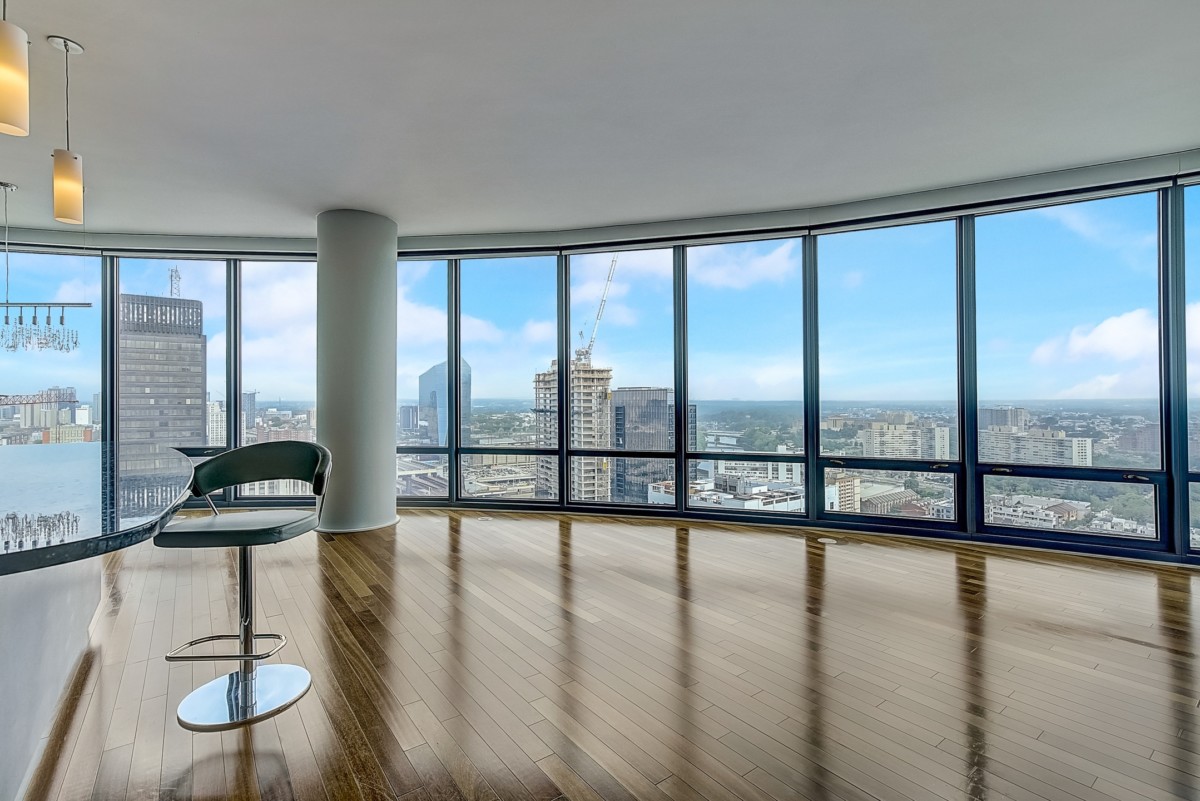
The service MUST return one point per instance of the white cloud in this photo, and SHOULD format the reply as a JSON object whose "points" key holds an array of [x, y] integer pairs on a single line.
{"points": [[418, 324], [644, 263], [1128, 337], [539, 331], [589, 292], [852, 279], [78, 291], [1101, 386], [476, 330], [737, 267], [1138, 248]]}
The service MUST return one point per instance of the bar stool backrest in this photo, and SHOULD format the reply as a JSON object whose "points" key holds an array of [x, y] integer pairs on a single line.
{"points": [[304, 461]]}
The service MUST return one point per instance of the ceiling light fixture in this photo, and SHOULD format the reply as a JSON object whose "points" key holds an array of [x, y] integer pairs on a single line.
{"points": [[35, 336], [68, 166], [14, 77]]}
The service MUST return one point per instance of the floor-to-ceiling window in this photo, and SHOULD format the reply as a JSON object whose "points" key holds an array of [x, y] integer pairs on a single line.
{"points": [[171, 355], [1069, 375], [279, 361], [50, 355], [423, 411], [508, 398], [745, 372], [51, 392], [1191, 238], [621, 396], [888, 357]]}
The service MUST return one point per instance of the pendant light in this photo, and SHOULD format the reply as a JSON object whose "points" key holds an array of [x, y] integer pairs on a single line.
{"points": [[68, 166], [14, 77]]}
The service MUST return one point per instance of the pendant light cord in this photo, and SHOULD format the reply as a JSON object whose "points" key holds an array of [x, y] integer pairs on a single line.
{"points": [[67, 65], [6, 191]]}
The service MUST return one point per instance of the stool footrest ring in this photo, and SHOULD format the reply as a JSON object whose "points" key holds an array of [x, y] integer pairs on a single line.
{"points": [[178, 656]]}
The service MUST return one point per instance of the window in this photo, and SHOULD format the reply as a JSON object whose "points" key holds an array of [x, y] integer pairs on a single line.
{"points": [[422, 413], [1191, 233], [746, 346], [888, 343], [1086, 507], [622, 395], [279, 360], [731, 485], [50, 356], [509, 343], [172, 348], [1067, 309], [890, 493]]}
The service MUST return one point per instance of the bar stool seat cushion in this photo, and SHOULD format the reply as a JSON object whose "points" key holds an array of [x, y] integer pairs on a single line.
{"points": [[261, 527]]}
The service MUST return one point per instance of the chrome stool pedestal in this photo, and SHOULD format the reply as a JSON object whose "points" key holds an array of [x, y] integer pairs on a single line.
{"points": [[237, 700]]}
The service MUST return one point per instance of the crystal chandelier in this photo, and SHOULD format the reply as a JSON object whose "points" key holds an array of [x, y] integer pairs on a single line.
{"points": [[39, 333]]}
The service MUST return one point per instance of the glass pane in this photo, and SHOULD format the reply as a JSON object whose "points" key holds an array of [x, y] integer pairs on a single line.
{"points": [[172, 352], [890, 493], [1093, 507], [746, 486], [888, 341], [746, 346], [505, 476], [1067, 307], [422, 417], [1191, 235], [279, 359], [623, 367], [509, 340], [1194, 513], [53, 367], [604, 479], [422, 475]]}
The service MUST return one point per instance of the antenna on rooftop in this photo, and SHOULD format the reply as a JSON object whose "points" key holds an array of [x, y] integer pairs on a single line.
{"points": [[175, 279]]}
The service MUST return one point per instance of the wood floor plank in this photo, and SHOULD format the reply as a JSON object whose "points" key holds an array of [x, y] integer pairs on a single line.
{"points": [[544, 657]]}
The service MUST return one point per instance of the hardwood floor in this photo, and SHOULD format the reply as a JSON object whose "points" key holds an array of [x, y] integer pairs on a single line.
{"points": [[495, 656]]}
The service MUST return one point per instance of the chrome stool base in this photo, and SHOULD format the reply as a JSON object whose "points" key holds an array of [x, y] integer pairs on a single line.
{"points": [[232, 700]]}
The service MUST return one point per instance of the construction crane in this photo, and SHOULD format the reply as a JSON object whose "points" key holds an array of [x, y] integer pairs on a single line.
{"points": [[55, 395], [584, 355]]}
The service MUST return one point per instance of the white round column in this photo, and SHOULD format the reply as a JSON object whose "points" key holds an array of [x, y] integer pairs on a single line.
{"points": [[356, 367]]}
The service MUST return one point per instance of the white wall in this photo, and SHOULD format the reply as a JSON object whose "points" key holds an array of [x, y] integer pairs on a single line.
{"points": [[44, 618]]}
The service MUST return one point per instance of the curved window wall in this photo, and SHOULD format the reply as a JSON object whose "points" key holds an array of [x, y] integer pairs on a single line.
{"points": [[1019, 375]]}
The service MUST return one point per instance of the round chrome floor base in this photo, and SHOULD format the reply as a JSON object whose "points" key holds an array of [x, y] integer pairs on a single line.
{"points": [[227, 702]]}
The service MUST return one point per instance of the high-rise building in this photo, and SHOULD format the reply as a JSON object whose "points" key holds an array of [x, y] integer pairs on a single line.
{"points": [[643, 419], [891, 440], [1005, 416], [590, 426], [1035, 446], [249, 416], [161, 379], [216, 424], [407, 418], [432, 410]]}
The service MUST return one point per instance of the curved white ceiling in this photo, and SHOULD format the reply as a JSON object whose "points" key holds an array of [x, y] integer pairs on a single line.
{"points": [[459, 116]]}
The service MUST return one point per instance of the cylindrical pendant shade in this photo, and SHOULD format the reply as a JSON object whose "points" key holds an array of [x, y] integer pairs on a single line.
{"points": [[68, 187], [14, 80]]}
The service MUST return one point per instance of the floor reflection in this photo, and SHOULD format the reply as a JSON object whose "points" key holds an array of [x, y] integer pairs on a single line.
{"points": [[1175, 624], [971, 571], [683, 596], [814, 609]]}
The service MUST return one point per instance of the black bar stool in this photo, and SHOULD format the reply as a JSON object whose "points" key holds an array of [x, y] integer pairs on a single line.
{"points": [[251, 693]]}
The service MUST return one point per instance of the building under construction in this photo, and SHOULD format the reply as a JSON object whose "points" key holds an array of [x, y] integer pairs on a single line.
{"points": [[590, 426]]}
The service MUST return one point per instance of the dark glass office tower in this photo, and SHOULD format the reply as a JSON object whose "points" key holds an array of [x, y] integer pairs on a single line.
{"points": [[433, 416], [162, 376], [644, 420]]}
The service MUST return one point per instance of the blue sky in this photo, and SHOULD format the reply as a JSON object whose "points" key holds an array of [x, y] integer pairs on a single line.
{"points": [[1067, 309]]}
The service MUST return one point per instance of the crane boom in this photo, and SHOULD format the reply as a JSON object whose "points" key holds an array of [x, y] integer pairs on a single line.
{"points": [[585, 353]]}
